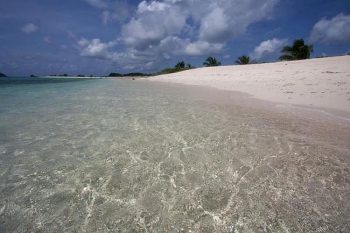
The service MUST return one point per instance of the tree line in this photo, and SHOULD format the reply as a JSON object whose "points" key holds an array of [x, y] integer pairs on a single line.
{"points": [[297, 51]]}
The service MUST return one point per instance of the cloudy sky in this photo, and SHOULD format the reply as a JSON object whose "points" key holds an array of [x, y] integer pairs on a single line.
{"points": [[103, 36]]}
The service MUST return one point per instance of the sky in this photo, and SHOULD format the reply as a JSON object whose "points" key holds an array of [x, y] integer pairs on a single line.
{"points": [[98, 37]]}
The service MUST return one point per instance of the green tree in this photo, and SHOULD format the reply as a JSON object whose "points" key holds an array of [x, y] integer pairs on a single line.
{"points": [[298, 51], [243, 60], [211, 61], [180, 65], [189, 66]]}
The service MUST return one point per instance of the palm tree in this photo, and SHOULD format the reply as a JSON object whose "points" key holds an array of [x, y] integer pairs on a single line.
{"points": [[189, 66], [211, 61], [298, 51], [243, 60], [180, 65]]}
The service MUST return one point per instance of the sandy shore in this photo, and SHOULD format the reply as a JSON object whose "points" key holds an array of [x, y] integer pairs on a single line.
{"points": [[319, 83]]}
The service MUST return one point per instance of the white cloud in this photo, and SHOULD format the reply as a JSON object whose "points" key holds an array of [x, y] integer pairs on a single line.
{"points": [[268, 47], [225, 19], [134, 59], [96, 48], [153, 6], [202, 47], [29, 28], [160, 29], [213, 23], [130, 59], [214, 26], [336, 29], [154, 21], [169, 46]]}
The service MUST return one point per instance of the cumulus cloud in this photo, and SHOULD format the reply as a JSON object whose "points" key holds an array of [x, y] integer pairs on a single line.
{"points": [[165, 28], [213, 22], [29, 28], [129, 59], [96, 48], [223, 20], [268, 47], [202, 47], [336, 29], [154, 22], [132, 58]]}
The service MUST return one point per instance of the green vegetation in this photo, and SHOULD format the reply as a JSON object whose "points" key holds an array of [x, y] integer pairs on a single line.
{"points": [[168, 71], [180, 66], [298, 51], [189, 66], [128, 75], [59, 75], [211, 61], [243, 60], [115, 75], [3, 75]]}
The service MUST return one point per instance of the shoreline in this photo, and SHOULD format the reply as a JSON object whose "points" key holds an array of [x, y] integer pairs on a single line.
{"points": [[314, 125], [230, 98]]}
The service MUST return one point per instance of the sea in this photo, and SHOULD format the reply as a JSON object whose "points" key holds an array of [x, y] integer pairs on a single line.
{"points": [[122, 155]]}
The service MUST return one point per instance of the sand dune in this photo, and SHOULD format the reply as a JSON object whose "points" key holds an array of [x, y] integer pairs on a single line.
{"points": [[320, 83]]}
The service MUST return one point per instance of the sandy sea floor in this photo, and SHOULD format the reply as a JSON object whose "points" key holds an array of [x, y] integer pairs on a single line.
{"points": [[138, 156]]}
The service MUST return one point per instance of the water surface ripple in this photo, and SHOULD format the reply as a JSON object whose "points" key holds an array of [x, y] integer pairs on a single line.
{"points": [[130, 156]]}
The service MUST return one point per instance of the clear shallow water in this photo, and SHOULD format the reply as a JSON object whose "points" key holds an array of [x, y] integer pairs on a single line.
{"points": [[124, 156]]}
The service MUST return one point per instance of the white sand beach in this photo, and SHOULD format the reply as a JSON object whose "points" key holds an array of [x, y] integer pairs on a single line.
{"points": [[319, 83]]}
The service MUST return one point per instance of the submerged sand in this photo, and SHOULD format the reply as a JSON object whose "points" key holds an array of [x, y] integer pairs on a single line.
{"points": [[123, 156], [320, 83]]}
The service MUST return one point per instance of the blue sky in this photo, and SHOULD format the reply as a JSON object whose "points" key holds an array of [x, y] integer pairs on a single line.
{"points": [[102, 36]]}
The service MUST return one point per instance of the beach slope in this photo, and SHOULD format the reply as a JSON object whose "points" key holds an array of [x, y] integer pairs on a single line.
{"points": [[319, 83]]}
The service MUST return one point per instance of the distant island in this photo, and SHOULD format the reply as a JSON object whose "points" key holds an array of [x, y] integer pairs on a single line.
{"points": [[59, 75], [129, 75], [67, 75], [2, 75], [180, 66]]}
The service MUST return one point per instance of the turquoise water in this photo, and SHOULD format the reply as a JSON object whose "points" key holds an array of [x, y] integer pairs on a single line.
{"points": [[133, 156]]}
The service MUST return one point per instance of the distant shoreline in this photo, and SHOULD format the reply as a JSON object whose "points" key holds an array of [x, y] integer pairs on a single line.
{"points": [[76, 77]]}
